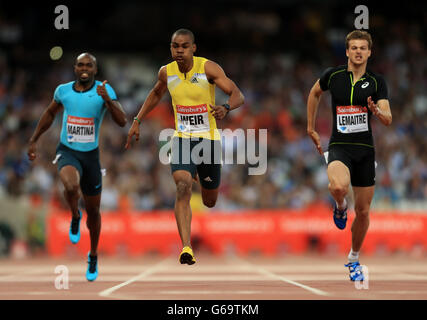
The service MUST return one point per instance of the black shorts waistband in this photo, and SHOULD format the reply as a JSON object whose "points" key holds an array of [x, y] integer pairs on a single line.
{"points": [[64, 147], [337, 143]]}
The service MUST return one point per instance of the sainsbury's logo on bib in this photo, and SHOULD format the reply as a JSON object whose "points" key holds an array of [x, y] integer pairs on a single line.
{"points": [[352, 119], [192, 118], [192, 109], [80, 129]]}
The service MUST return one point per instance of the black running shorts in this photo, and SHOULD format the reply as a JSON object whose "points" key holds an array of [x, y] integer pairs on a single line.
{"points": [[86, 163], [198, 155], [359, 159]]}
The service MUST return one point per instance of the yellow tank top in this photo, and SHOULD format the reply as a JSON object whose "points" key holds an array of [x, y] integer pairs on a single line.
{"points": [[192, 95]]}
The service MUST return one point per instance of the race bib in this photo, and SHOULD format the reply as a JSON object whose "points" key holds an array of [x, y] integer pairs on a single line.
{"points": [[352, 119], [80, 129], [192, 118]]}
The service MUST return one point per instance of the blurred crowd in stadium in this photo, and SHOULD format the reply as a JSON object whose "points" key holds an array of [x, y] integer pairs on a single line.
{"points": [[275, 83]]}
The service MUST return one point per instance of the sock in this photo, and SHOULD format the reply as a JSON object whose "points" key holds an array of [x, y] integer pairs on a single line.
{"points": [[343, 205], [353, 256]]}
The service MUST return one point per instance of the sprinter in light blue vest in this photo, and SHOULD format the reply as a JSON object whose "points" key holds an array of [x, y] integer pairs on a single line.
{"points": [[84, 102]]}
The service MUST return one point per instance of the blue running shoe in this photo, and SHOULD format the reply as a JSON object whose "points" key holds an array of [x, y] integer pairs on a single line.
{"points": [[75, 229], [356, 273], [92, 268], [340, 217]]}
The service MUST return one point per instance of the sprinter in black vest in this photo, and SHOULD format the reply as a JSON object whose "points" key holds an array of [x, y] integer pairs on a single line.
{"points": [[357, 94]]}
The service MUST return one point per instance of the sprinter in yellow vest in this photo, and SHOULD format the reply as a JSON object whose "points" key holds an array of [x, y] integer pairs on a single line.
{"points": [[191, 83]]}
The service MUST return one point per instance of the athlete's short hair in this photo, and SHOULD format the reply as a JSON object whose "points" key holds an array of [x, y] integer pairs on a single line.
{"points": [[358, 34], [184, 32]]}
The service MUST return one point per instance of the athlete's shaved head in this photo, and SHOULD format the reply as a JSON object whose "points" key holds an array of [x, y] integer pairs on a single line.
{"points": [[85, 67], [86, 54], [183, 47], [185, 32]]}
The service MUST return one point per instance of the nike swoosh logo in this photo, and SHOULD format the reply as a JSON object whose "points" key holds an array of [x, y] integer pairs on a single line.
{"points": [[98, 186]]}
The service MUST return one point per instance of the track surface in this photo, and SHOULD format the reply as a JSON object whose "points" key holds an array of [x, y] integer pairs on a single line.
{"points": [[310, 277]]}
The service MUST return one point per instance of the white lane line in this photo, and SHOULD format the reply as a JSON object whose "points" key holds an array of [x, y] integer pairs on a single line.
{"points": [[142, 275], [302, 286], [278, 277]]}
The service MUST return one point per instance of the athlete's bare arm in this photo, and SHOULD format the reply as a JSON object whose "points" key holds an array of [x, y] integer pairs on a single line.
{"points": [[115, 108], [312, 105], [216, 74], [45, 122], [152, 100], [381, 110]]}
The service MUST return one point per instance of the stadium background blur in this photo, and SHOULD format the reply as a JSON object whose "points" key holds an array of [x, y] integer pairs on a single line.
{"points": [[274, 51]]}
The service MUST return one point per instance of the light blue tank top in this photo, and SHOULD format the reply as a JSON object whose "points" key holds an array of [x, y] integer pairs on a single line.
{"points": [[83, 115]]}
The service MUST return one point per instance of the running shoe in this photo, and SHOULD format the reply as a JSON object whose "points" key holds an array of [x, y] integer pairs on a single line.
{"points": [[187, 256], [75, 229], [356, 273], [92, 268], [340, 217]]}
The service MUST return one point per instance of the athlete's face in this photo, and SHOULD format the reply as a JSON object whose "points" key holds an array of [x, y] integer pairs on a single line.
{"points": [[85, 69], [358, 51], [182, 48]]}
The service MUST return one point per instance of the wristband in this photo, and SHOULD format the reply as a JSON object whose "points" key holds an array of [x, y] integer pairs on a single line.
{"points": [[226, 106], [136, 119]]}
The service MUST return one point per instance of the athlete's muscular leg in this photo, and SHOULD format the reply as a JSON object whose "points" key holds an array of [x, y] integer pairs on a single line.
{"points": [[362, 202], [339, 180], [209, 197], [93, 221], [70, 178], [183, 181]]}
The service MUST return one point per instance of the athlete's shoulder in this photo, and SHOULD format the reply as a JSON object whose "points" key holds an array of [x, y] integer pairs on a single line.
{"points": [[211, 66], [163, 69], [62, 89], [327, 75], [335, 69], [200, 63], [375, 75], [170, 68], [173, 62], [200, 59], [66, 86]]}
